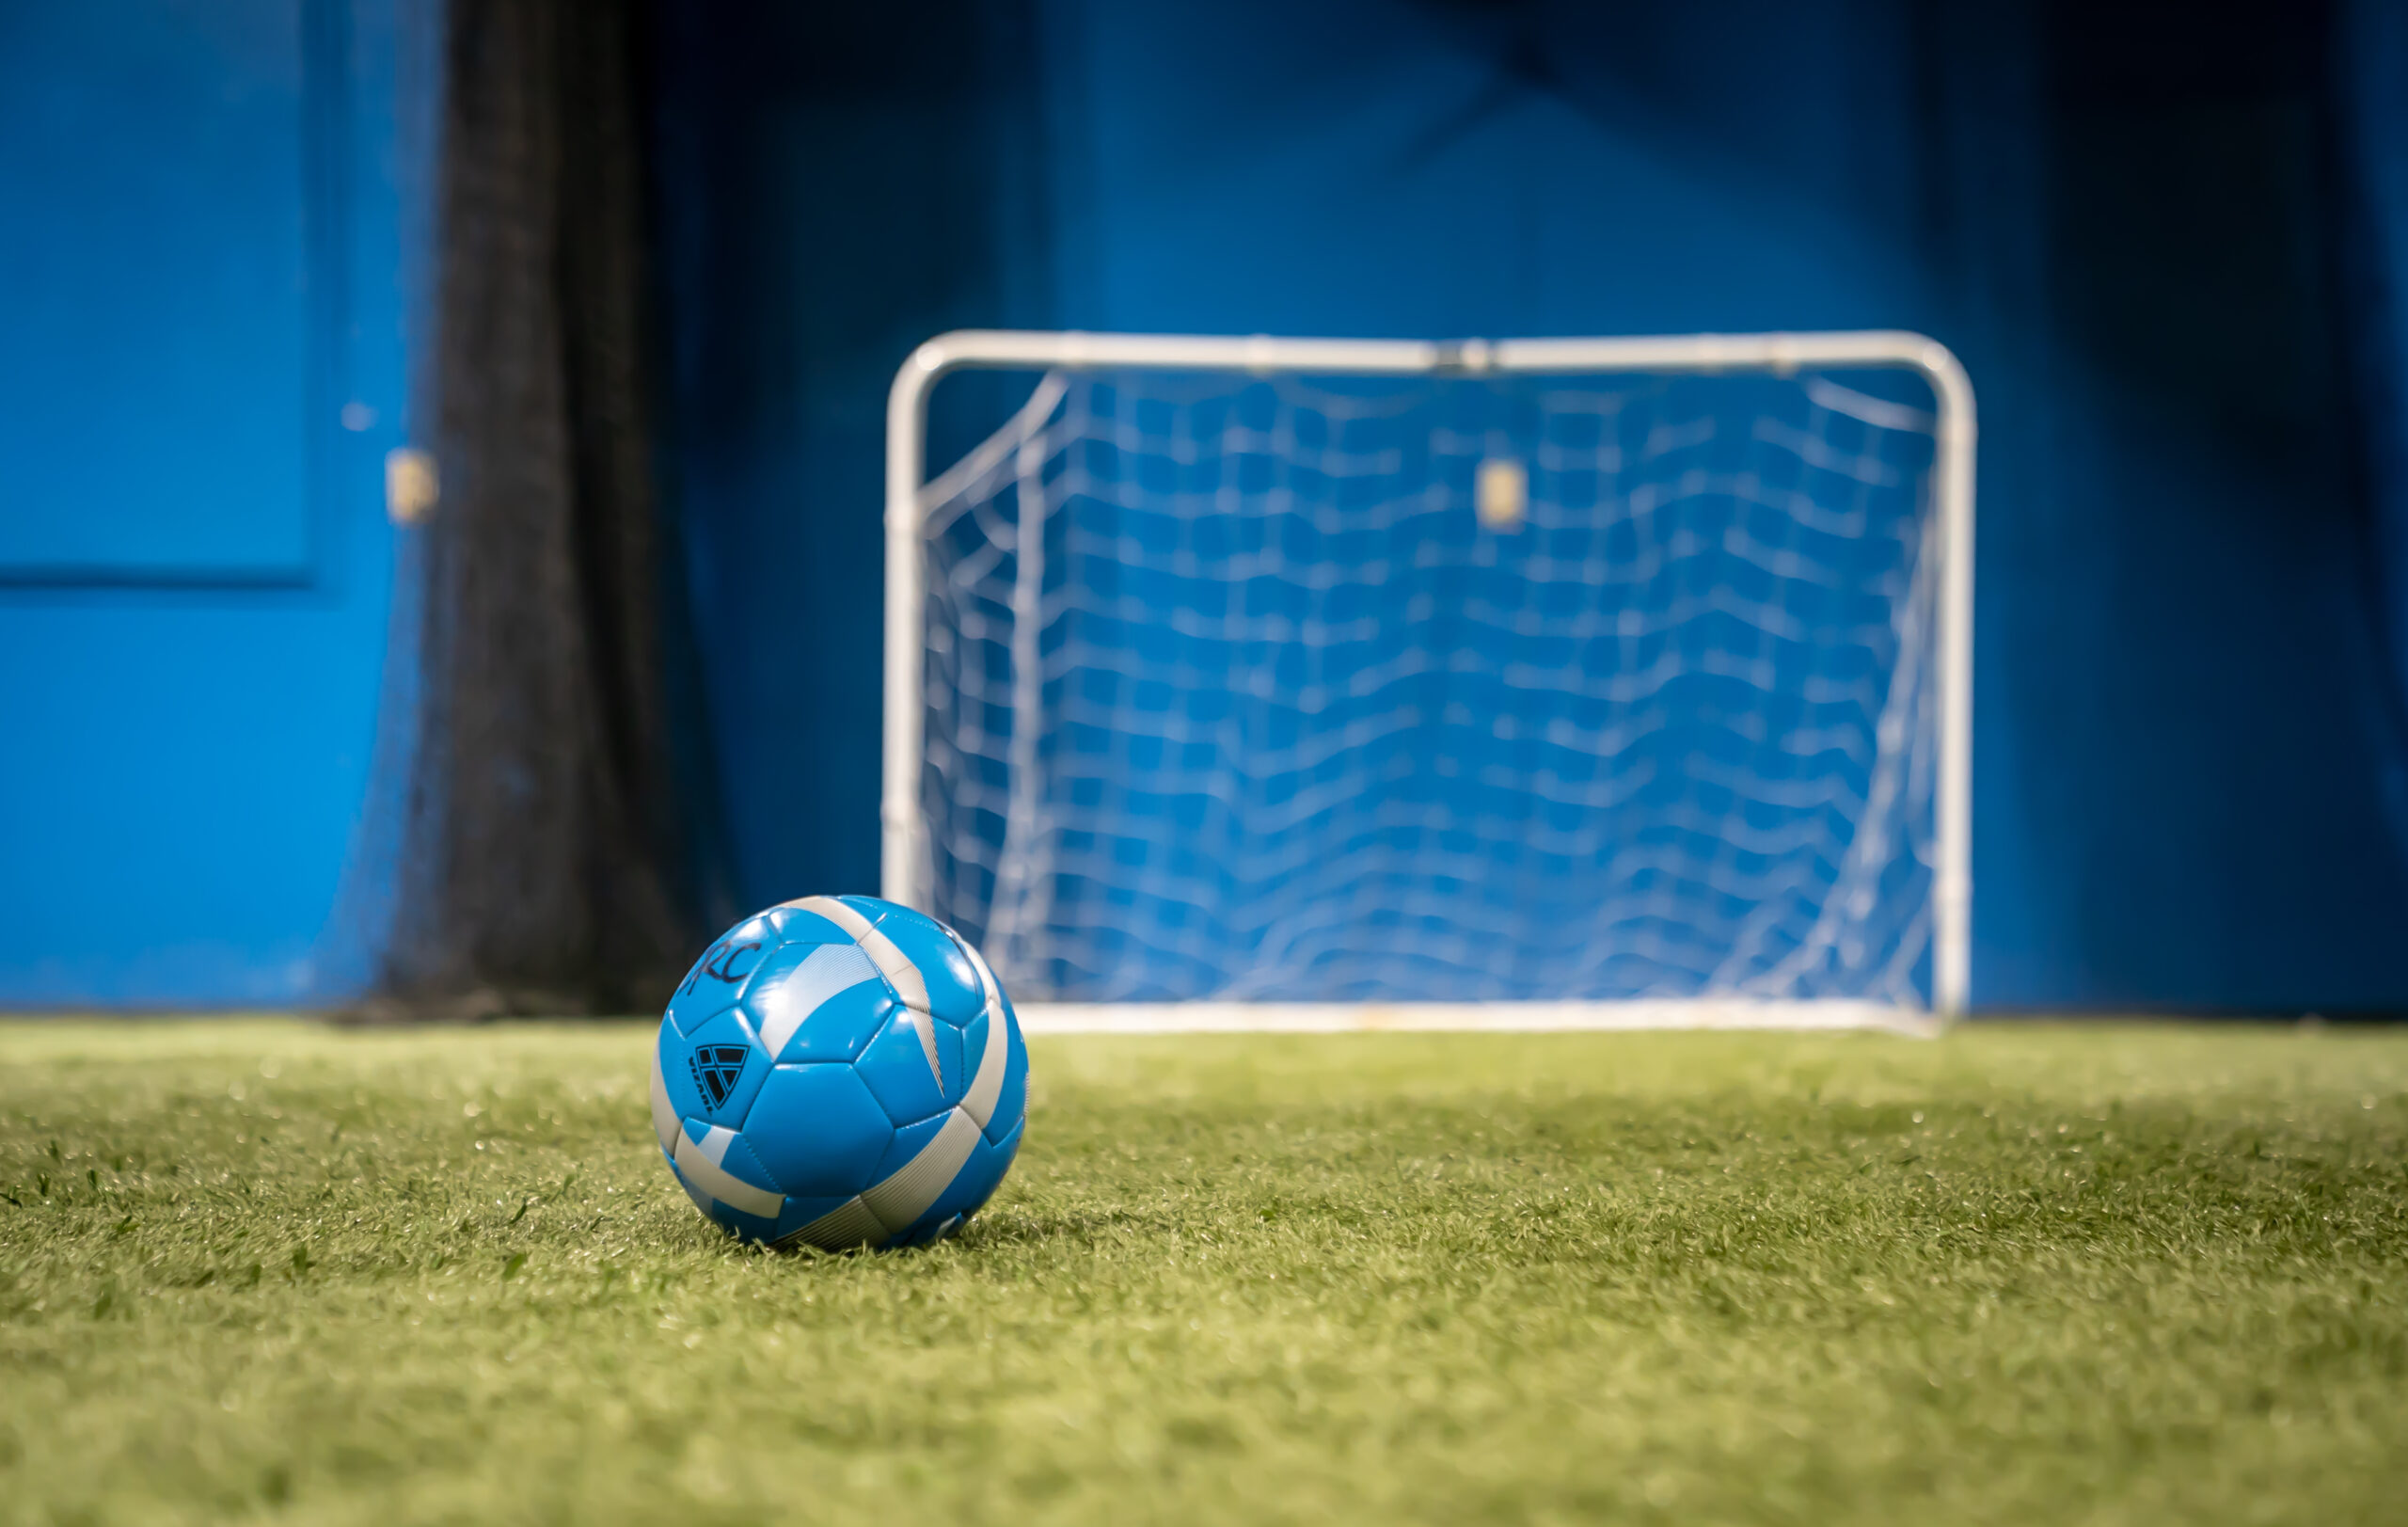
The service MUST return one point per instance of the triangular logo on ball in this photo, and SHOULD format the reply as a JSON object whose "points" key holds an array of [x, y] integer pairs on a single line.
{"points": [[716, 1069]]}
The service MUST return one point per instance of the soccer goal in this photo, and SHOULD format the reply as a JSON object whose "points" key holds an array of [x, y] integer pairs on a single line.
{"points": [[1282, 683]]}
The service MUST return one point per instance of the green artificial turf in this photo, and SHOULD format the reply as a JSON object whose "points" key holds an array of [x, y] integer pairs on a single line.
{"points": [[268, 1271]]}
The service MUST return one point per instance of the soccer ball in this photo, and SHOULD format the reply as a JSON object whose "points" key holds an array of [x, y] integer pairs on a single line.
{"points": [[839, 1072]]}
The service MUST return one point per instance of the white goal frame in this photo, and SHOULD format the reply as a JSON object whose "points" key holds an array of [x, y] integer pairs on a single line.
{"points": [[905, 866]]}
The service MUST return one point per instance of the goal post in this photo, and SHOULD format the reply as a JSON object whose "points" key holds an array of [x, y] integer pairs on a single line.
{"points": [[1214, 749]]}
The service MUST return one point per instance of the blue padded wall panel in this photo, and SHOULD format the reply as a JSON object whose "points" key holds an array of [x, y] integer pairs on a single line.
{"points": [[157, 285], [190, 694]]}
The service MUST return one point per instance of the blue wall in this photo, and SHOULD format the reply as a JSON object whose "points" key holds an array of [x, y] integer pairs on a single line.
{"points": [[2166, 242], [2190, 743], [201, 300], [2373, 88]]}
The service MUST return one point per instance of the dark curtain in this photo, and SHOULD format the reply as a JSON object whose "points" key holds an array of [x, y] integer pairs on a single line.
{"points": [[548, 857]]}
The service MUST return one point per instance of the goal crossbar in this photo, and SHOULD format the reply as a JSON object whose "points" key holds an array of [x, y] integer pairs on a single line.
{"points": [[905, 853]]}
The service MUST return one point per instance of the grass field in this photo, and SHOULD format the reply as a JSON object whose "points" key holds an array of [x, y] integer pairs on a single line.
{"points": [[263, 1272]]}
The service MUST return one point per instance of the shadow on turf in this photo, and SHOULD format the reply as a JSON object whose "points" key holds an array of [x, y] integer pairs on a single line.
{"points": [[1082, 1227], [986, 1232]]}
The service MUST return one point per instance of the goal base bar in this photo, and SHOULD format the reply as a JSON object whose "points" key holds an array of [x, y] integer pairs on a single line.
{"points": [[1821, 1016]]}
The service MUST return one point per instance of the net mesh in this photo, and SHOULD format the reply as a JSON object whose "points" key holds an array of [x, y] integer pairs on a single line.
{"points": [[1266, 689]]}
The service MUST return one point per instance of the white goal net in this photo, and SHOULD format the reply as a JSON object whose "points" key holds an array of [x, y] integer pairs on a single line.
{"points": [[1494, 686]]}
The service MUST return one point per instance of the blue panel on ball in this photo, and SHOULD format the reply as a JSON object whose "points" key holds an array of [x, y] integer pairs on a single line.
{"points": [[973, 1045], [970, 1189], [799, 927], [689, 1011], [896, 1067], [818, 1131], [1011, 1105], [712, 986], [743, 1163], [908, 1143], [977, 1180], [722, 1068], [953, 992], [677, 1075]]}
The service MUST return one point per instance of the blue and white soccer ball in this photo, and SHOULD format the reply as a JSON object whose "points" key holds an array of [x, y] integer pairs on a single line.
{"points": [[840, 1072]]}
